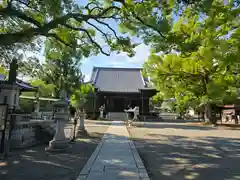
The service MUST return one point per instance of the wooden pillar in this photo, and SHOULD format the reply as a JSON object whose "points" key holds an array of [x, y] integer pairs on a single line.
{"points": [[125, 103], [94, 105], [142, 102]]}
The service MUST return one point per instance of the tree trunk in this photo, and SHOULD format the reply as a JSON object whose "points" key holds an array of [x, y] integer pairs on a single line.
{"points": [[208, 113]]}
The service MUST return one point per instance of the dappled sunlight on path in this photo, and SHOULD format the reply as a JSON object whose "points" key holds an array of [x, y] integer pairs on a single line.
{"points": [[178, 153]]}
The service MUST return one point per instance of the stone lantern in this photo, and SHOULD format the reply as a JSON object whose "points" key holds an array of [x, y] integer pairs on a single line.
{"points": [[80, 115], [61, 115], [10, 90], [12, 94]]}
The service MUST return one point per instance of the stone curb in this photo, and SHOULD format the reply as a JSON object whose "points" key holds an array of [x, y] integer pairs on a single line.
{"points": [[87, 168], [141, 168]]}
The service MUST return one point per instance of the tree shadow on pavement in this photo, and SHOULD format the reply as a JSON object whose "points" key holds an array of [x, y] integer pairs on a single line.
{"points": [[36, 164], [173, 126], [180, 157]]}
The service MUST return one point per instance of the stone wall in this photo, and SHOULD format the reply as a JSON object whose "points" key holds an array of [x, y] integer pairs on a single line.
{"points": [[27, 134]]}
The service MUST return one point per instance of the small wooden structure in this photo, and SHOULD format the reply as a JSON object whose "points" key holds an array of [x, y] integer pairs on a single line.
{"points": [[230, 114]]}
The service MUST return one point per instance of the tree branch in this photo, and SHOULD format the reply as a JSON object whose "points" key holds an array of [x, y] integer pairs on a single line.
{"points": [[55, 36], [109, 27], [92, 9], [141, 20], [26, 35], [104, 34], [27, 4], [15, 13], [89, 37]]}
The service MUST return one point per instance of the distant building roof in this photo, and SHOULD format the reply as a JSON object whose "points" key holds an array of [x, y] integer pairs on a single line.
{"points": [[23, 85], [125, 80], [2, 77]]}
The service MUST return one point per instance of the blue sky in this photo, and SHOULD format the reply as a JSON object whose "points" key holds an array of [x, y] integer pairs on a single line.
{"points": [[114, 60]]}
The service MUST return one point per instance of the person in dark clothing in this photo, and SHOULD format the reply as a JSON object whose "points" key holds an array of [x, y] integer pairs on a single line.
{"points": [[72, 111], [105, 111], [129, 106]]}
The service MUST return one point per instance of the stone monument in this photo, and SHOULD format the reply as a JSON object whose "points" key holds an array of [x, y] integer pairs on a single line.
{"points": [[101, 109]]}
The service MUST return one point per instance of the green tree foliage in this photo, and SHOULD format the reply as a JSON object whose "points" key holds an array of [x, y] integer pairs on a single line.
{"points": [[80, 96], [179, 25], [44, 90], [61, 67], [18, 50], [3, 71], [24, 21], [199, 47], [156, 101]]}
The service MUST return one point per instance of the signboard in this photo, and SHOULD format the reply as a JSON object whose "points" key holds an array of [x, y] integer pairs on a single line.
{"points": [[3, 111]]}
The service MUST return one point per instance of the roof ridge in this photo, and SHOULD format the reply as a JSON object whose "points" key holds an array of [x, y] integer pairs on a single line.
{"points": [[114, 68]]}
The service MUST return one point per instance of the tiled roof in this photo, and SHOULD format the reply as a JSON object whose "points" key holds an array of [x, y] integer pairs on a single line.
{"points": [[23, 85], [118, 79], [2, 77]]}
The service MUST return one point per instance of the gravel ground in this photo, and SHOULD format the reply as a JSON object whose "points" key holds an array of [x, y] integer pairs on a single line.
{"points": [[36, 164], [177, 151]]}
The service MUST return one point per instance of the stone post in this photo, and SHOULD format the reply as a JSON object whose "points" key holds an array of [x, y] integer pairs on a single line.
{"points": [[101, 114], [37, 109], [37, 106], [59, 142], [81, 125]]}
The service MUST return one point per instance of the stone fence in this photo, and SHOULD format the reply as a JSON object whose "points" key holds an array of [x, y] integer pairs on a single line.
{"points": [[32, 132], [47, 115]]}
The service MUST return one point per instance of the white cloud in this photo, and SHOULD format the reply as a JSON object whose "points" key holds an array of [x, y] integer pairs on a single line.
{"points": [[87, 77], [142, 52]]}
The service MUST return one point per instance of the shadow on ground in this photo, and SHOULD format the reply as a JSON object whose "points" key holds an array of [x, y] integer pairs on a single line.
{"points": [[167, 157], [180, 157], [36, 164], [173, 126]]}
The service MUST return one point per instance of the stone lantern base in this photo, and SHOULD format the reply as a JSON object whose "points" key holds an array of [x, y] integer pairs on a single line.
{"points": [[58, 146], [81, 132]]}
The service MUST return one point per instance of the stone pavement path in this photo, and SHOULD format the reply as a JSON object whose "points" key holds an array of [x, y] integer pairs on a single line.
{"points": [[115, 158]]}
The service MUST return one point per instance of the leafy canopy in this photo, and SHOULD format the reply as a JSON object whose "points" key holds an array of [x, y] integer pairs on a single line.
{"points": [[66, 21], [79, 97], [44, 90], [199, 47]]}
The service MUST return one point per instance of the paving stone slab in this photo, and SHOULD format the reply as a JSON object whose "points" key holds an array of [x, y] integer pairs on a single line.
{"points": [[115, 158]]}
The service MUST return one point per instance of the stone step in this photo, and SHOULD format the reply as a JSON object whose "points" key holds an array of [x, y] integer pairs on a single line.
{"points": [[114, 116]]}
